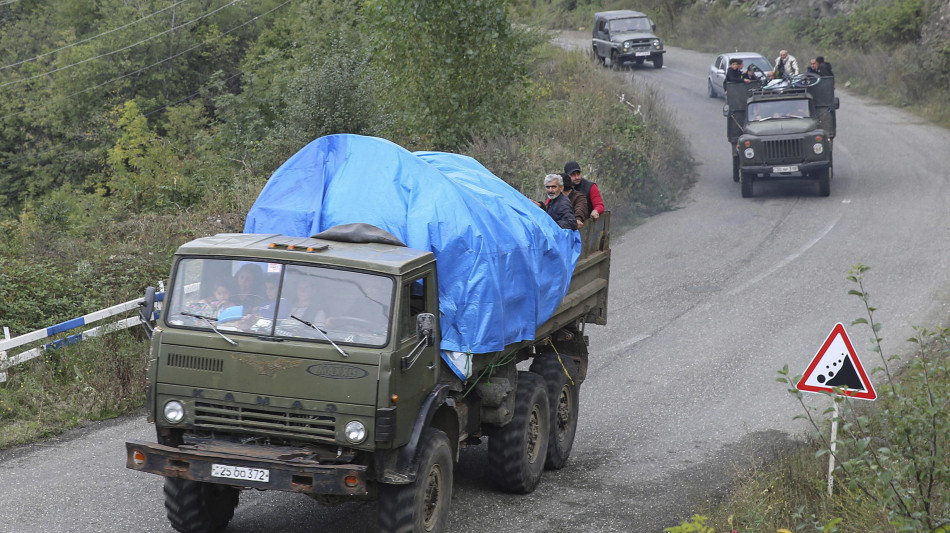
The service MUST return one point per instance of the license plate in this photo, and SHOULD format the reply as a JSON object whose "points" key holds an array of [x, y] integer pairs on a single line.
{"points": [[641, 54], [240, 472], [793, 168]]}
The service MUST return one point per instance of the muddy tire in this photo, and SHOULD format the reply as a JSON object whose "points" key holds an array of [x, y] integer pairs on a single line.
{"points": [[196, 507], [516, 451], [422, 506], [560, 379]]}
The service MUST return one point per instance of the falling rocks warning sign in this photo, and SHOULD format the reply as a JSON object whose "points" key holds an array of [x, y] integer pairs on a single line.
{"points": [[836, 366]]}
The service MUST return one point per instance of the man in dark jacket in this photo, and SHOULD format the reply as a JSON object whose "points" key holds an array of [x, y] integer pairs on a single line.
{"points": [[577, 198], [595, 203], [558, 204], [734, 74]]}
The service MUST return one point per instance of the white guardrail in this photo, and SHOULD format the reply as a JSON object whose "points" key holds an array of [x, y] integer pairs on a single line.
{"points": [[8, 344]]}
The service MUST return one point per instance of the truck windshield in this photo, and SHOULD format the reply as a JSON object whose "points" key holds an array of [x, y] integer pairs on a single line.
{"points": [[778, 109], [281, 300], [630, 24]]}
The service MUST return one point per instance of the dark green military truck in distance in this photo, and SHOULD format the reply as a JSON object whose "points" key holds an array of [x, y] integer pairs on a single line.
{"points": [[624, 36], [782, 130], [327, 379]]}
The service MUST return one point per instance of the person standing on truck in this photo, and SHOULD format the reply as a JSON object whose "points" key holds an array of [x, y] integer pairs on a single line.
{"points": [[595, 203], [734, 74], [786, 66], [558, 204], [578, 200]]}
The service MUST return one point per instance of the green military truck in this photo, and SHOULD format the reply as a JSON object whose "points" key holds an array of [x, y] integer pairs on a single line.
{"points": [[356, 403], [782, 130]]}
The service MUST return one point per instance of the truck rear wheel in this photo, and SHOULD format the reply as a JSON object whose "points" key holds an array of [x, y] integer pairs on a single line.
{"points": [[735, 165], [560, 375], [197, 507], [423, 505], [516, 451]]}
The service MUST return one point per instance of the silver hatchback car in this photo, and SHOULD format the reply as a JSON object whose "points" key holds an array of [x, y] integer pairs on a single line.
{"points": [[717, 71]]}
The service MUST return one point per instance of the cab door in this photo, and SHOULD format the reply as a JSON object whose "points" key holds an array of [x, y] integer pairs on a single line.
{"points": [[415, 365]]}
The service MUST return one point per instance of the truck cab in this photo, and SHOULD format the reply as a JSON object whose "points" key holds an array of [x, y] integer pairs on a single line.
{"points": [[312, 365]]}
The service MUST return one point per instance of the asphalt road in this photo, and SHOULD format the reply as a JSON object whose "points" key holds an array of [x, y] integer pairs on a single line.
{"points": [[707, 303]]}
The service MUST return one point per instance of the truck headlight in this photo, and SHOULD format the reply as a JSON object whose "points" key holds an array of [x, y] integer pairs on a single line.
{"points": [[627, 45], [657, 44], [355, 431], [174, 411], [749, 153], [818, 148]]}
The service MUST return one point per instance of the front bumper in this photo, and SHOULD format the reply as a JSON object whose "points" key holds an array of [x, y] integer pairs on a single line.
{"points": [[290, 469], [641, 55], [764, 172]]}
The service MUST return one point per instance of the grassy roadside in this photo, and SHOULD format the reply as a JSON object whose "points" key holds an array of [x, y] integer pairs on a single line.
{"points": [[892, 462]]}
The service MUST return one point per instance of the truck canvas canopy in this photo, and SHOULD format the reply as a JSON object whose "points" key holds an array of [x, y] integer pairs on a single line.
{"points": [[503, 265]]}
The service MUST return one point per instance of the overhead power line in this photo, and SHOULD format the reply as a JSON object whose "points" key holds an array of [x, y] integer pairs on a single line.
{"points": [[206, 15], [143, 69], [94, 37]]}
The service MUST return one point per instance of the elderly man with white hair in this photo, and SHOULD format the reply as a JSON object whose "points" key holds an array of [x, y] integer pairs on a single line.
{"points": [[558, 204], [786, 65]]}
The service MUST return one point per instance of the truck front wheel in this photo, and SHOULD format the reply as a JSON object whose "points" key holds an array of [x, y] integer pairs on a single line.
{"points": [[824, 182], [735, 162], [560, 377], [423, 505], [197, 507], [517, 451], [745, 180], [658, 61]]}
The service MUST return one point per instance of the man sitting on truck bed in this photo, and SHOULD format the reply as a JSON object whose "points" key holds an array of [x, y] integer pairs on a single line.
{"points": [[558, 204]]}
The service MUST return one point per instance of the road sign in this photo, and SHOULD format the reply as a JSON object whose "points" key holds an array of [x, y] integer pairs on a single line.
{"points": [[837, 365]]}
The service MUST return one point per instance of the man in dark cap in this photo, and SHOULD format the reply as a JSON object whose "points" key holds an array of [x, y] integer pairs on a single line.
{"points": [[595, 204]]}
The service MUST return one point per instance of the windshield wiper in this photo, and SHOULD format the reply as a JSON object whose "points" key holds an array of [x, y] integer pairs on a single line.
{"points": [[210, 321], [324, 333]]}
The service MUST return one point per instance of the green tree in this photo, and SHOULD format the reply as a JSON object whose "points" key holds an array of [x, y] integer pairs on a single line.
{"points": [[461, 67]]}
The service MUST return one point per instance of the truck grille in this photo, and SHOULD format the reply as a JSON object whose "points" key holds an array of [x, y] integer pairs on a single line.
{"points": [[784, 150], [640, 44], [265, 421]]}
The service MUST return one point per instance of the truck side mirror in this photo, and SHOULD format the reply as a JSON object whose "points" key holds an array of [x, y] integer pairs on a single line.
{"points": [[837, 103], [425, 328], [653, 26], [148, 308]]}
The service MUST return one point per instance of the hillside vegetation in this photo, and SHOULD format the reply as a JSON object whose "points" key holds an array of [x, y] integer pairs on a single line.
{"points": [[127, 129]]}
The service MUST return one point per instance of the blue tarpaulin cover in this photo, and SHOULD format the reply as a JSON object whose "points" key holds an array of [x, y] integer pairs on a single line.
{"points": [[503, 264]]}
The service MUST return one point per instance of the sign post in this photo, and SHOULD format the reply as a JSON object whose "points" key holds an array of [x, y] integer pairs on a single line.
{"points": [[837, 369]]}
